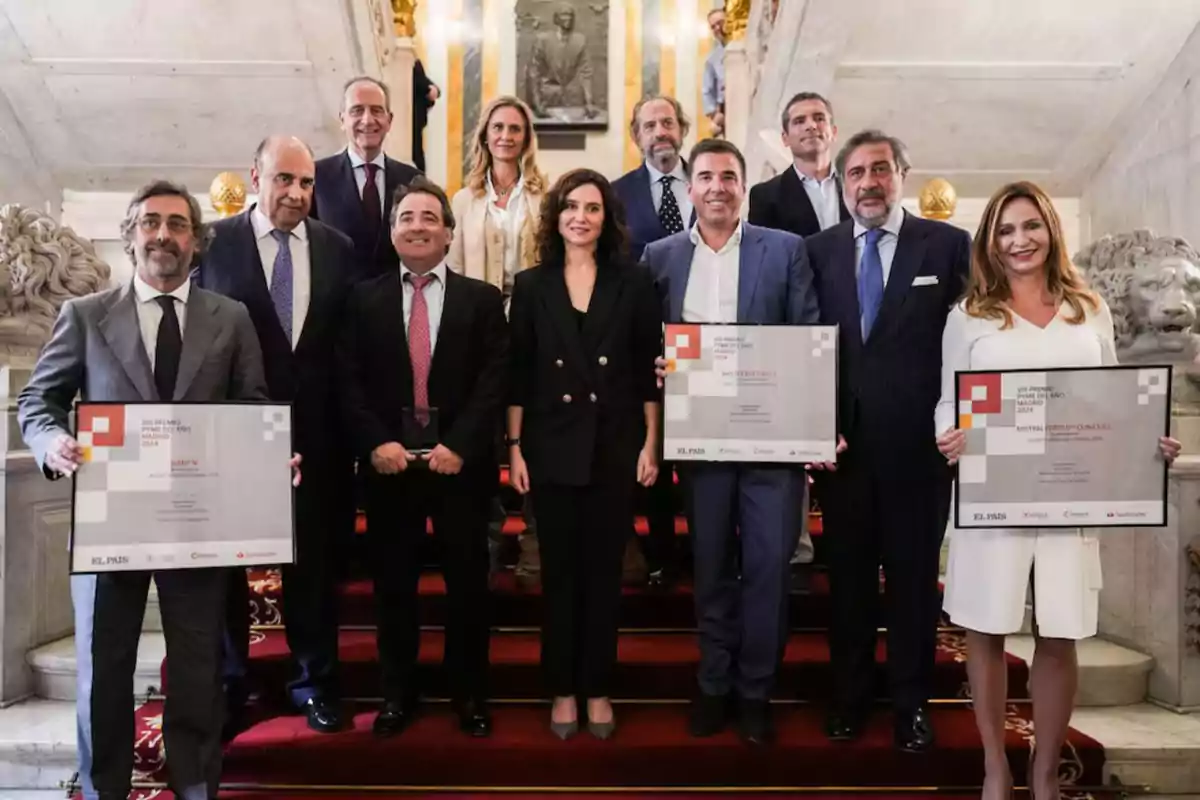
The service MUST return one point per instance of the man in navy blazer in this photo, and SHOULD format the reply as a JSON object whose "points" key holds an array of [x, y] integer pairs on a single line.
{"points": [[742, 619], [294, 274], [341, 199], [658, 125], [888, 280]]}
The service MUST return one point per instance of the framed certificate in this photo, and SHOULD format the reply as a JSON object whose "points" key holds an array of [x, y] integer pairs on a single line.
{"points": [[750, 393], [182, 485], [1072, 447]]}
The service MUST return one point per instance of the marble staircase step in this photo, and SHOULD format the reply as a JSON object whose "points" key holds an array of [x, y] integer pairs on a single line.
{"points": [[37, 747], [54, 667], [1109, 674]]}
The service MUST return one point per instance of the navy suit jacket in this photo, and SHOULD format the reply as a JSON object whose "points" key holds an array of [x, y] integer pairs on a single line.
{"points": [[775, 282], [337, 202], [889, 385], [232, 267], [633, 190]]}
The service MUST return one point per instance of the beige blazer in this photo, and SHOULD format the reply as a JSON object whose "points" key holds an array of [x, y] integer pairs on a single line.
{"points": [[477, 250]]}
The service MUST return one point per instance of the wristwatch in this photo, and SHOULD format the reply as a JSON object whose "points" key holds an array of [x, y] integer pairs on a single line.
{"points": [[510, 441]]}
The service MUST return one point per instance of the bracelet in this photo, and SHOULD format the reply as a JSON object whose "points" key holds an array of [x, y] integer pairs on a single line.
{"points": [[510, 441]]}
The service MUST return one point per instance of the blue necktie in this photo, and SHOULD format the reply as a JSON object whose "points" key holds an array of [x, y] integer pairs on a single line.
{"points": [[870, 280], [281, 282]]}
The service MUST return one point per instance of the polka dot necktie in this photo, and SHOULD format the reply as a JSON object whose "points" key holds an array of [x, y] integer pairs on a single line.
{"points": [[668, 209]]}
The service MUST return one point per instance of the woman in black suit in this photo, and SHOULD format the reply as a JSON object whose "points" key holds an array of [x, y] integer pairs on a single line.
{"points": [[582, 427]]}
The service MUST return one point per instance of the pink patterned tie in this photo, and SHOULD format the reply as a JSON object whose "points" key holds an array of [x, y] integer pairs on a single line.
{"points": [[419, 350]]}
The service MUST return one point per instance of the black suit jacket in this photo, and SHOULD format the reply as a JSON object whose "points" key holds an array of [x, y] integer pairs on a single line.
{"points": [[468, 377], [889, 385], [782, 203], [232, 267], [633, 190], [337, 202], [583, 391]]}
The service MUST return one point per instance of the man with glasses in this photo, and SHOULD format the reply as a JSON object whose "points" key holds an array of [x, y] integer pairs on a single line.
{"points": [[126, 345]]}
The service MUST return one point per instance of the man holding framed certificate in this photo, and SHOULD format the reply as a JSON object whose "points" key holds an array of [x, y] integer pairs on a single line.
{"points": [[154, 340], [727, 271]]}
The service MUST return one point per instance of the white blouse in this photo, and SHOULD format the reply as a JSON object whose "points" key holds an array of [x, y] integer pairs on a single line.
{"points": [[974, 343]]}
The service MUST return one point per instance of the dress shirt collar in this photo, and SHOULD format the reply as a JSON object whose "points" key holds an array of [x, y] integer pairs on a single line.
{"points": [[891, 225], [734, 242], [805, 179], [357, 161], [263, 226], [438, 272], [677, 173], [146, 293]]}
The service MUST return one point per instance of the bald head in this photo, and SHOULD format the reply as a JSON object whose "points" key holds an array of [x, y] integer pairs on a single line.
{"points": [[283, 175]]}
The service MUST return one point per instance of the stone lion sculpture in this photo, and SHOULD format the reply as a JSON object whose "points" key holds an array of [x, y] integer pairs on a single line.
{"points": [[42, 265], [1152, 286]]}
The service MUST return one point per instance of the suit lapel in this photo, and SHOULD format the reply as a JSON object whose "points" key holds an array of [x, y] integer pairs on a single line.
{"points": [[319, 277], [600, 309], [347, 187], [679, 268], [752, 252], [124, 336], [845, 278], [452, 307], [801, 212], [558, 305], [643, 197], [199, 331], [910, 251]]}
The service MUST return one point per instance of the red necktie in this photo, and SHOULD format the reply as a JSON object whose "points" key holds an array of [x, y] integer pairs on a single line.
{"points": [[419, 349], [372, 213]]}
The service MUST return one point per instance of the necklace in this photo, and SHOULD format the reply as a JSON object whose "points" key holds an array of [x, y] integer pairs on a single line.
{"points": [[502, 192]]}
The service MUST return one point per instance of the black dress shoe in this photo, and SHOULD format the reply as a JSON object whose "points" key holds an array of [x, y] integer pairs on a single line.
{"points": [[754, 721], [710, 714], [914, 731], [394, 717], [844, 726], [474, 719], [323, 714]]}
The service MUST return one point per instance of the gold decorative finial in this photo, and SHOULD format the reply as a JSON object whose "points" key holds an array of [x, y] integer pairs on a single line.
{"points": [[227, 194], [938, 199], [404, 14], [737, 19]]}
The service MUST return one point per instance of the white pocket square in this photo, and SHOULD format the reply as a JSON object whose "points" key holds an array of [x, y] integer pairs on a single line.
{"points": [[925, 280]]}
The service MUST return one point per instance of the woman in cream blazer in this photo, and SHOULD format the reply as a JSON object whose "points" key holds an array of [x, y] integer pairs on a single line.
{"points": [[497, 211]]}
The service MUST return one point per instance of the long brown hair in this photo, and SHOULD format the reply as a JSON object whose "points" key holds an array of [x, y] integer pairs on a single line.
{"points": [[988, 291], [612, 248], [533, 180]]}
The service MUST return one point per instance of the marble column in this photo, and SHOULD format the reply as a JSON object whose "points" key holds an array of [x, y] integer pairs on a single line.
{"points": [[397, 74], [738, 93], [35, 596]]}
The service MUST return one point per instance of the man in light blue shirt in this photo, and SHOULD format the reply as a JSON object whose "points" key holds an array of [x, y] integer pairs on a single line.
{"points": [[713, 83]]}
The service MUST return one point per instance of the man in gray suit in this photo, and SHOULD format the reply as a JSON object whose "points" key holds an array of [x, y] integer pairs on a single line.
{"points": [[156, 338]]}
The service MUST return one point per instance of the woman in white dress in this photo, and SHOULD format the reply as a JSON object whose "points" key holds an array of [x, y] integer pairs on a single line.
{"points": [[1026, 307]]}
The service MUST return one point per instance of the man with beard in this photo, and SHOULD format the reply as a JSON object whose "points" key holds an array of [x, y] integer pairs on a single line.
{"points": [[355, 187], [804, 200], [154, 339], [293, 273], [657, 205], [727, 271], [888, 280]]}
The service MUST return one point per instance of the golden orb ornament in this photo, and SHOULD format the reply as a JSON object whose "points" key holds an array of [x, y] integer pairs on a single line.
{"points": [[227, 194], [938, 199]]}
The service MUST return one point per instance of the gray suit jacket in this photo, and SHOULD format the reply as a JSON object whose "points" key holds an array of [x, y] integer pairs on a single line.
{"points": [[96, 351], [775, 281]]}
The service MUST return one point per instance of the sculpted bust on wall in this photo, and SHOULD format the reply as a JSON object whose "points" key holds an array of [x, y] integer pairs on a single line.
{"points": [[1152, 285], [42, 265]]}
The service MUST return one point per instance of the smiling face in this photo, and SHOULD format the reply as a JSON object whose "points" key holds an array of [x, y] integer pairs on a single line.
{"points": [[365, 118], [506, 134], [420, 234], [717, 189], [164, 241], [659, 134], [810, 130], [582, 218], [1022, 238]]}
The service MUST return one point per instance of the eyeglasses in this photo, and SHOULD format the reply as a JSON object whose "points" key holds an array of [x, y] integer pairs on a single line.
{"points": [[151, 223]]}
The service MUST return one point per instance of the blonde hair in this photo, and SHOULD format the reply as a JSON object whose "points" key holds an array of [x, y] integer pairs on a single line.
{"points": [[988, 291], [532, 178]]}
